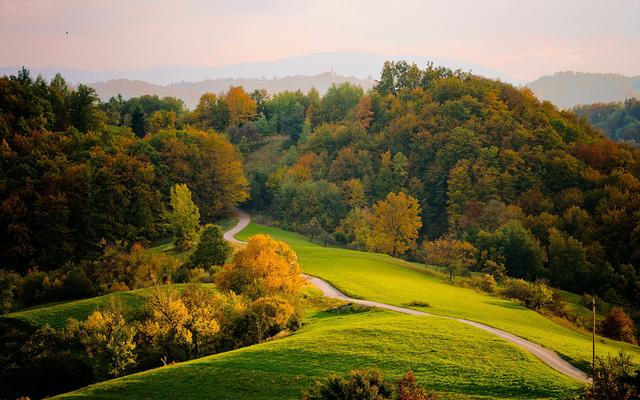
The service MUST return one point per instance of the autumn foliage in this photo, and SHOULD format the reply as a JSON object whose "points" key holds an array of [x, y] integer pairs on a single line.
{"points": [[265, 267]]}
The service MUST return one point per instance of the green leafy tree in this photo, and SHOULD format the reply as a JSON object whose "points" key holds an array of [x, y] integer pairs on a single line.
{"points": [[212, 249], [184, 217]]}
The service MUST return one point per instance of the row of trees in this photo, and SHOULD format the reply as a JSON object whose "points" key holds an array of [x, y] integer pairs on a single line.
{"points": [[70, 181]]}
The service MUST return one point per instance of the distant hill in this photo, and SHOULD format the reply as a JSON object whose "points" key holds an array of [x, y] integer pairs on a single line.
{"points": [[358, 64], [568, 89], [190, 92]]}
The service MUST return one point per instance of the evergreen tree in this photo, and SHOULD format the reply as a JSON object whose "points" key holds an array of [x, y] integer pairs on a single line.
{"points": [[212, 249]]}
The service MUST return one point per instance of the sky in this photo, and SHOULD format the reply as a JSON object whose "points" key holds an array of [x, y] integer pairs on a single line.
{"points": [[523, 38]]}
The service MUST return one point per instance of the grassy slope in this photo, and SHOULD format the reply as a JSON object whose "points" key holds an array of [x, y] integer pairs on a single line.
{"points": [[56, 315], [382, 278], [479, 365]]}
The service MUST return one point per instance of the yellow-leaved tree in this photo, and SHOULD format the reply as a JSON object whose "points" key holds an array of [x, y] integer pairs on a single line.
{"points": [[395, 222], [241, 106], [267, 273], [265, 267], [107, 337], [183, 324]]}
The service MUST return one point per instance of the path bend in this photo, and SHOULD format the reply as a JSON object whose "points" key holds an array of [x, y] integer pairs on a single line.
{"points": [[547, 356]]}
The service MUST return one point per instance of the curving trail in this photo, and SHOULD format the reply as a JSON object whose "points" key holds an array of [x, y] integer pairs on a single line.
{"points": [[547, 356], [243, 221]]}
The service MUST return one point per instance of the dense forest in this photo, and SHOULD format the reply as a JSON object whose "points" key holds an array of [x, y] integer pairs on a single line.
{"points": [[538, 191], [620, 121], [76, 174]]}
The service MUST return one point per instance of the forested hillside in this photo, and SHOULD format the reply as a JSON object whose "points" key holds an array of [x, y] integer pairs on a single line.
{"points": [[539, 192], [620, 121], [74, 175]]}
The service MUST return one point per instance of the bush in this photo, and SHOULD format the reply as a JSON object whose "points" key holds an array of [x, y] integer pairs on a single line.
{"points": [[365, 384], [613, 380], [486, 283], [360, 384], [619, 326], [36, 287], [76, 284], [533, 295], [558, 306]]}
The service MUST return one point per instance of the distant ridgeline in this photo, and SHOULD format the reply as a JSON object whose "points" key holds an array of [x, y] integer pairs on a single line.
{"points": [[190, 92], [569, 89], [620, 121]]}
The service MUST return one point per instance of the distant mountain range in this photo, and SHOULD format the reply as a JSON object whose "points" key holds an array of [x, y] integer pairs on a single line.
{"points": [[357, 64], [190, 92], [321, 70], [568, 89]]}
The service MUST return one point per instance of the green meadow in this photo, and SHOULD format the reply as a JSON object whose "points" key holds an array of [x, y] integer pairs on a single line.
{"points": [[385, 279], [456, 360]]}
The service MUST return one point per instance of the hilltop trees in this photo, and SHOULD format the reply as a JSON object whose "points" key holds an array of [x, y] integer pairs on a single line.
{"points": [[526, 184]]}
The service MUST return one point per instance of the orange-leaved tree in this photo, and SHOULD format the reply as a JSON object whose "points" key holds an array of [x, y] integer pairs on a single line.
{"points": [[395, 222], [452, 254], [241, 106], [265, 267]]}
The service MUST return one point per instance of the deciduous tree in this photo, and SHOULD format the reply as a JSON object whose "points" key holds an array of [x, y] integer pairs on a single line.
{"points": [[395, 222]]}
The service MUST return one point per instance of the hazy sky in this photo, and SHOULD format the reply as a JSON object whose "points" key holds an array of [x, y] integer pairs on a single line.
{"points": [[523, 38]]}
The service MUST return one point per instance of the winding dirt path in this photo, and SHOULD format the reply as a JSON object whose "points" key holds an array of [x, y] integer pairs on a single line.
{"points": [[547, 356], [243, 221]]}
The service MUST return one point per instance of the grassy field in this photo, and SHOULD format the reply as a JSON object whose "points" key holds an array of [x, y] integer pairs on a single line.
{"points": [[382, 278], [56, 315], [456, 360]]}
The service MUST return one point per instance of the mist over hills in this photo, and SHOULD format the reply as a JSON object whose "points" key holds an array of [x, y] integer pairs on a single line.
{"points": [[190, 92], [568, 89], [357, 64]]}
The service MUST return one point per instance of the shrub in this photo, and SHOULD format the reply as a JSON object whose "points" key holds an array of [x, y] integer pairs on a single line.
{"points": [[613, 379], [365, 384], [409, 389], [360, 384], [486, 283], [558, 306], [418, 303], [36, 287], [518, 289], [76, 284], [533, 295], [619, 326]]}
